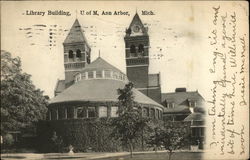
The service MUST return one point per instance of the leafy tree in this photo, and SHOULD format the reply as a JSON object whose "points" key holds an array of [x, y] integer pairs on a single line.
{"points": [[171, 137], [21, 103], [155, 139], [127, 125]]}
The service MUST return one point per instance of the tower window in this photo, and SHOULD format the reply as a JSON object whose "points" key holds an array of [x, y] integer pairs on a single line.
{"points": [[141, 48], [71, 54], [133, 50], [78, 53]]}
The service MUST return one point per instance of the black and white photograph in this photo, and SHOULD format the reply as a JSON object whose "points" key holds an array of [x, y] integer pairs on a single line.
{"points": [[124, 80]]}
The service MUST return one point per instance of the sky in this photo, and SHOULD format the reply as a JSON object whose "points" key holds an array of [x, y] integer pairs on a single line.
{"points": [[178, 33]]}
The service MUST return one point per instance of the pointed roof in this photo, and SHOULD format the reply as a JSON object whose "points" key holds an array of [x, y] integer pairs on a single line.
{"points": [[75, 34], [100, 63], [136, 21]]}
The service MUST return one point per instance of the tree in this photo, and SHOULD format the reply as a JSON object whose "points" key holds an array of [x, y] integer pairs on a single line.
{"points": [[126, 126], [171, 137], [155, 139], [21, 103]]}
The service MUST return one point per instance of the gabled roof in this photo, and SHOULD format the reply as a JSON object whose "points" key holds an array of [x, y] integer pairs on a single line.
{"points": [[180, 98], [75, 34], [195, 117], [100, 63], [101, 90]]}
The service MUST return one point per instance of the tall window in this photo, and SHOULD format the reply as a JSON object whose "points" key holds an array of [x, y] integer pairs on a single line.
{"points": [[61, 113], [145, 112], [71, 54], [103, 111], [140, 48], [91, 112], [70, 112], [78, 53], [114, 110], [152, 113], [133, 51]]}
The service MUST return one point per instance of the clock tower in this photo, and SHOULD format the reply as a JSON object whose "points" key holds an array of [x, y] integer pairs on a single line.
{"points": [[137, 60], [137, 45]]}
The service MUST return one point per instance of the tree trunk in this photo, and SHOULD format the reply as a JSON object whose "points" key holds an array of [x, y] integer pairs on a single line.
{"points": [[131, 149], [170, 155], [142, 141]]}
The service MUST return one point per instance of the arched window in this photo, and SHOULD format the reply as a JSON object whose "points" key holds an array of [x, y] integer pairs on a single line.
{"points": [[133, 50], [140, 48], [71, 54], [78, 53]]}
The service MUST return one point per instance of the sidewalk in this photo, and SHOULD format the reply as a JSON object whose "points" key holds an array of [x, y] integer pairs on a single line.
{"points": [[82, 156]]}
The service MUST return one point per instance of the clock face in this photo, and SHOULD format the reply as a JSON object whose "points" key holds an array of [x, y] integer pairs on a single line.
{"points": [[136, 28]]}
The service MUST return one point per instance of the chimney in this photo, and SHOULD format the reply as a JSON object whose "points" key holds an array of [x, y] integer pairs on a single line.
{"points": [[180, 90]]}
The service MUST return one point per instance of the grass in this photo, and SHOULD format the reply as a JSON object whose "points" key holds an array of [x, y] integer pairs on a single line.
{"points": [[158, 156]]}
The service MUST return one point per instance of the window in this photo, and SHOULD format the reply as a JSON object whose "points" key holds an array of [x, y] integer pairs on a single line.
{"points": [[54, 114], [61, 113], [107, 74], [91, 74], [70, 112], [81, 112], [83, 75], [103, 111], [132, 49], [78, 77], [140, 48], [71, 54], [78, 53], [98, 74], [91, 112], [115, 75], [145, 112], [157, 113], [114, 110], [152, 112]]}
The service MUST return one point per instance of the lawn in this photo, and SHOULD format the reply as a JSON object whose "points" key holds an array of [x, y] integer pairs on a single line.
{"points": [[159, 156]]}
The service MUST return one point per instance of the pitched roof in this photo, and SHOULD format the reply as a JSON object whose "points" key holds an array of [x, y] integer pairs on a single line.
{"points": [[177, 109], [98, 90], [75, 34], [100, 63], [195, 117], [137, 21], [180, 98]]}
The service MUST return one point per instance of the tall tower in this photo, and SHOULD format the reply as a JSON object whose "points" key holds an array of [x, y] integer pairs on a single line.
{"points": [[137, 60], [76, 52]]}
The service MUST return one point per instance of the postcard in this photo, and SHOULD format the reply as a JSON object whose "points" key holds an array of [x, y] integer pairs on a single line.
{"points": [[125, 79]]}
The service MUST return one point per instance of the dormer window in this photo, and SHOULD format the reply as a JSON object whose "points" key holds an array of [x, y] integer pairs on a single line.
{"points": [[170, 105]]}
